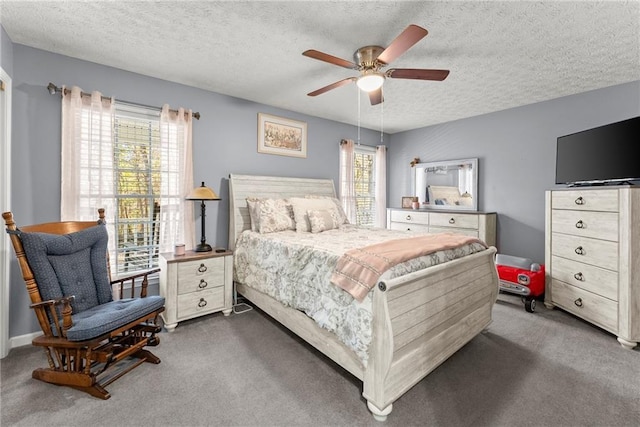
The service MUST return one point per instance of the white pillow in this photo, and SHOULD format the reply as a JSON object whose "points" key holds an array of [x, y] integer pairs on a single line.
{"points": [[300, 207], [254, 212], [338, 205]]}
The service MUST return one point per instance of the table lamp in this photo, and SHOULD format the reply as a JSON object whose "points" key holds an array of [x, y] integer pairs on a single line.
{"points": [[202, 193]]}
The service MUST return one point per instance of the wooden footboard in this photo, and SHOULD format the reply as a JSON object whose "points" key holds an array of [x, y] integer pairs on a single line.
{"points": [[419, 320]]}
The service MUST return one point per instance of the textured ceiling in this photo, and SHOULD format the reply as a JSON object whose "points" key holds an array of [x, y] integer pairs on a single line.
{"points": [[501, 54]]}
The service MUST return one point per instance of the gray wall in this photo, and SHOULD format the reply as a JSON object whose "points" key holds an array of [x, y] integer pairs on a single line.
{"points": [[224, 141], [516, 151]]}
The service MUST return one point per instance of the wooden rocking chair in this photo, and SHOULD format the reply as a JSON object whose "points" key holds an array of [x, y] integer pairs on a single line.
{"points": [[89, 338]]}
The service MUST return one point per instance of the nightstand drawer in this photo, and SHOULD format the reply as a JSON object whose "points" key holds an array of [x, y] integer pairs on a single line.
{"points": [[588, 277], [405, 226], [453, 220], [200, 275], [592, 307], [599, 225], [464, 231], [200, 302]]}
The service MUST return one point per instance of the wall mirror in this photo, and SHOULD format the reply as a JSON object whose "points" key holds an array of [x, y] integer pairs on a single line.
{"points": [[448, 185]]}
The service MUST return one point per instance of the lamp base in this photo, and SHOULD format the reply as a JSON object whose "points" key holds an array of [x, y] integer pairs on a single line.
{"points": [[203, 247]]}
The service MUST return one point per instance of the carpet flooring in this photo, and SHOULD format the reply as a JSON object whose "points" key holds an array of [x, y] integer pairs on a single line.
{"points": [[546, 368]]}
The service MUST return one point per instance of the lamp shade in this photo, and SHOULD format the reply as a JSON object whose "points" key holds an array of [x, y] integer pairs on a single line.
{"points": [[202, 193]]}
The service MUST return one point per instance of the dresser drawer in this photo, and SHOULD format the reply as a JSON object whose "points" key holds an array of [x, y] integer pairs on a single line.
{"points": [[599, 225], [463, 231], [585, 200], [411, 217], [591, 307], [407, 226], [198, 303], [200, 275], [453, 220], [601, 253], [588, 277]]}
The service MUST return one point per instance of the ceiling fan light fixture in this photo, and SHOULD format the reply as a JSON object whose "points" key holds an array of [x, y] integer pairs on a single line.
{"points": [[370, 82]]}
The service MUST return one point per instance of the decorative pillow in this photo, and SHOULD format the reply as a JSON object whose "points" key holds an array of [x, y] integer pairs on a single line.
{"points": [[323, 220], [338, 205], [252, 205], [275, 215], [70, 264], [300, 207]]}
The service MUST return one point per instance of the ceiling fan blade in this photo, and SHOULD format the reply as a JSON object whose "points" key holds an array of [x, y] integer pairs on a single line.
{"points": [[332, 86], [410, 36], [417, 74], [376, 96], [311, 53]]}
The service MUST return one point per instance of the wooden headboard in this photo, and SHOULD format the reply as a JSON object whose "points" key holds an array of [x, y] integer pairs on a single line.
{"points": [[243, 186]]}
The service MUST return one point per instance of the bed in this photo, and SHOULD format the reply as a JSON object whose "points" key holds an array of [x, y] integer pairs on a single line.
{"points": [[415, 320]]}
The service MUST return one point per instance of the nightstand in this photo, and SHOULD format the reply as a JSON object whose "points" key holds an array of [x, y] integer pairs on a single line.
{"points": [[195, 284]]}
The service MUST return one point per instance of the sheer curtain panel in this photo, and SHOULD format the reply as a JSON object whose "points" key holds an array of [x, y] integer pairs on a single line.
{"points": [[381, 186], [347, 183]]}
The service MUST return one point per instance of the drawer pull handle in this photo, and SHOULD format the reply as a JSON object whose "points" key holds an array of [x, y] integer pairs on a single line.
{"points": [[408, 217], [579, 250], [202, 303], [452, 221], [579, 201], [203, 284], [579, 276], [408, 229], [580, 224], [202, 268], [578, 302]]}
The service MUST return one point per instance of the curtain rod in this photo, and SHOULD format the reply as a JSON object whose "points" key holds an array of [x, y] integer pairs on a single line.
{"points": [[53, 89], [360, 145]]}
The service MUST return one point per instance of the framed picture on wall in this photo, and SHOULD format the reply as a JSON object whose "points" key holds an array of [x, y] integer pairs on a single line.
{"points": [[284, 137]]}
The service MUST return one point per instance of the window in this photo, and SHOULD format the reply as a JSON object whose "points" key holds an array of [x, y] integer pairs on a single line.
{"points": [[364, 181], [135, 162], [137, 176]]}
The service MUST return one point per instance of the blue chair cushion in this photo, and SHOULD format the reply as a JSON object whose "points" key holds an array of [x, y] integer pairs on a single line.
{"points": [[70, 264], [105, 318]]}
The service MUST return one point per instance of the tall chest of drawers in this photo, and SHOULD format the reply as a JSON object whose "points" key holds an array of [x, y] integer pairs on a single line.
{"points": [[592, 257], [477, 224]]}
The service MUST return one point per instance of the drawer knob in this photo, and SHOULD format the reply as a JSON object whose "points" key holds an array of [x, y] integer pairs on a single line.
{"points": [[580, 224], [579, 201], [579, 250], [408, 229], [408, 217], [202, 302], [578, 302], [202, 268], [203, 284], [579, 276], [452, 221]]}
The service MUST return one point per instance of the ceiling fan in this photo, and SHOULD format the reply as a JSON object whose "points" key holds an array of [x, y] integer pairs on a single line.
{"points": [[370, 60]]}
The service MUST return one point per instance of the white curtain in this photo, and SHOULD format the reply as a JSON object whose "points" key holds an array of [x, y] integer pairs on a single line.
{"points": [[381, 186], [177, 223], [347, 176], [87, 159]]}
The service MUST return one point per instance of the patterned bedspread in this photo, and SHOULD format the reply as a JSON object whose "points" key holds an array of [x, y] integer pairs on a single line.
{"points": [[295, 269]]}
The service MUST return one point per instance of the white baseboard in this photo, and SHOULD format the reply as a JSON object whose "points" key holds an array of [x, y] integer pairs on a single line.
{"points": [[23, 340]]}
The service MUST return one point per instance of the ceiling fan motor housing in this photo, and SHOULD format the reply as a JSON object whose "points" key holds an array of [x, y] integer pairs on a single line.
{"points": [[367, 58]]}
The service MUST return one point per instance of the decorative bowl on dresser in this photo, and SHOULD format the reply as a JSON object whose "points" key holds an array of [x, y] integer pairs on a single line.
{"points": [[478, 224], [592, 257], [195, 284]]}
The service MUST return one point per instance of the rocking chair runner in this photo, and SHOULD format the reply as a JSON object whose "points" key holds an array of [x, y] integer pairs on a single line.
{"points": [[90, 339]]}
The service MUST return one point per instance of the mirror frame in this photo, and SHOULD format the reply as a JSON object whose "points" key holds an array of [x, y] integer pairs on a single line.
{"points": [[447, 163]]}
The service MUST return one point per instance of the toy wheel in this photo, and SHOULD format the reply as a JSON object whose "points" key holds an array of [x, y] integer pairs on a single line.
{"points": [[530, 305]]}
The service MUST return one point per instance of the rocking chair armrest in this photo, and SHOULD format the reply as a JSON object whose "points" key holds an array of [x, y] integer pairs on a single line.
{"points": [[120, 281], [51, 302], [48, 315]]}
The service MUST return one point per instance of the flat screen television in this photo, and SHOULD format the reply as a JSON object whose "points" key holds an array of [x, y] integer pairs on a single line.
{"points": [[602, 155]]}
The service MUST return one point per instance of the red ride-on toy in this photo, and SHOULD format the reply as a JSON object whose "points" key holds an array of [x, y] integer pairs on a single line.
{"points": [[521, 276]]}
